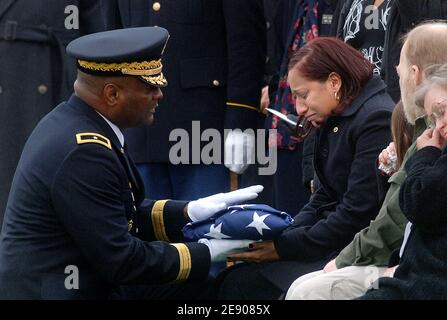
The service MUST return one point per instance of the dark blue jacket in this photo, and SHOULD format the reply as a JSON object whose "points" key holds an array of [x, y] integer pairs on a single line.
{"points": [[346, 149], [214, 64], [36, 74], [72, 203]]}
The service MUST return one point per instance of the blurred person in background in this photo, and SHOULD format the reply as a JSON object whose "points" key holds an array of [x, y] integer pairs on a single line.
{"points": [[215, 64], [36, 73]]}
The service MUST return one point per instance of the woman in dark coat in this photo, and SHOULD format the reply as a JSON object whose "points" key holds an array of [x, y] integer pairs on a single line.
{"points": [[335, 89], [423, 266]]}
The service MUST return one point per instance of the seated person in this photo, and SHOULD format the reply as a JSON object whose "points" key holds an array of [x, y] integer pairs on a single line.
{"points": [[335, 89], [352, 281], [366, 257], [421, 271]]}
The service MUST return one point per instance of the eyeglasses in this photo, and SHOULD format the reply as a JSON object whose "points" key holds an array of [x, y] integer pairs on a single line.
{"points": [[302, 128], [299, 126], [438, 109]]}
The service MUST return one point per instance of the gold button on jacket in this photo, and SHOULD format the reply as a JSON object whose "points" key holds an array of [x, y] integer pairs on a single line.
{"points": [[156, 6], [42, 89]]}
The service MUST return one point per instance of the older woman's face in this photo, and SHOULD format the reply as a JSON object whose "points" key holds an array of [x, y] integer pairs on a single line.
{"points": [[435, 105], [313, 99]]}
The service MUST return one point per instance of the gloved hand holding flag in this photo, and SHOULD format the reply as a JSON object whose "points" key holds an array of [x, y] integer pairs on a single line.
{"points": [[205, 208], [221, 249]]}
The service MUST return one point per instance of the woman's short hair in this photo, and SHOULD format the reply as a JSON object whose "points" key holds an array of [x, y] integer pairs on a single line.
{"points": [[325, 55], [434, 75]]}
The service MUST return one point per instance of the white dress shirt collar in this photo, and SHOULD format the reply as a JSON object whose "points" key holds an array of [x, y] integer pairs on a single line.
{"points": [[115, 129]]}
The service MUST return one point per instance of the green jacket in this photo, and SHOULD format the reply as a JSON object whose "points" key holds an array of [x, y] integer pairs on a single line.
{"points": [[374, 244]]}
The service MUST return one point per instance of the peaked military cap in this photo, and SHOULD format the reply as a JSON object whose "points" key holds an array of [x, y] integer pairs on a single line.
{"points": [[132, 52]]}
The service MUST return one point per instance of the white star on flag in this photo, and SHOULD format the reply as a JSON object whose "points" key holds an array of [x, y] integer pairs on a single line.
{"points": [[216, 233], [258, 223]]}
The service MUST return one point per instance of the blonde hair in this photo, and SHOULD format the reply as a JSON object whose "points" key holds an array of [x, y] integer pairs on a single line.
{"points": [[426, 44], [436, 75]]}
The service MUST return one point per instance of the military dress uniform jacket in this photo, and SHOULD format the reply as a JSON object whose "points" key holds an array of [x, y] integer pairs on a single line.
{"points": [[35, 71], [346, 149], [77, 200], [214, 63]]}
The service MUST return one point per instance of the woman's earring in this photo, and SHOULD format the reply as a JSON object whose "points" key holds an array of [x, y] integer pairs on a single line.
{"points": [[336, 96]]}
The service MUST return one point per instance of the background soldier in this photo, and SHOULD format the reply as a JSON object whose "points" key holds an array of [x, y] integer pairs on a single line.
{"points": [[214, 63], [36, 74]]}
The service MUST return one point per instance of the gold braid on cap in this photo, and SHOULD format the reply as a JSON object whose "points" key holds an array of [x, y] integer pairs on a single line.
{"points": [[145, 68]]}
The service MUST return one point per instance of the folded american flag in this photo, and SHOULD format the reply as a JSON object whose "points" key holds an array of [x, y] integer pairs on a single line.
{"points": [[249, 221]]}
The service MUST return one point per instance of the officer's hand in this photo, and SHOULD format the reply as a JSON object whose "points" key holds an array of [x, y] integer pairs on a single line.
{"points": [[205, 208], [239, 151], [257, 252], [220, 249]]}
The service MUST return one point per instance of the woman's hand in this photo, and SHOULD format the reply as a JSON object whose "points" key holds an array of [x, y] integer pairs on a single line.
{"points": [[388, 160], [331, 266], [384, 156], [430, 138], [257, 252], [389, 272]]}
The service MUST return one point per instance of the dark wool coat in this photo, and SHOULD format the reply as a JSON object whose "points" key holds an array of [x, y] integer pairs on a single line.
{"points": [[36, 74], [214, 64], [346, 150], [83, 205], [422, 268]]}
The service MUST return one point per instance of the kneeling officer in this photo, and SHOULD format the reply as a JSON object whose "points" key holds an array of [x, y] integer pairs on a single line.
{"points": [[77, 200]]}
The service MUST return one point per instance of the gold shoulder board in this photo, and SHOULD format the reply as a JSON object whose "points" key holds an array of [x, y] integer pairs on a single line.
{"points": [[89, 137]]}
